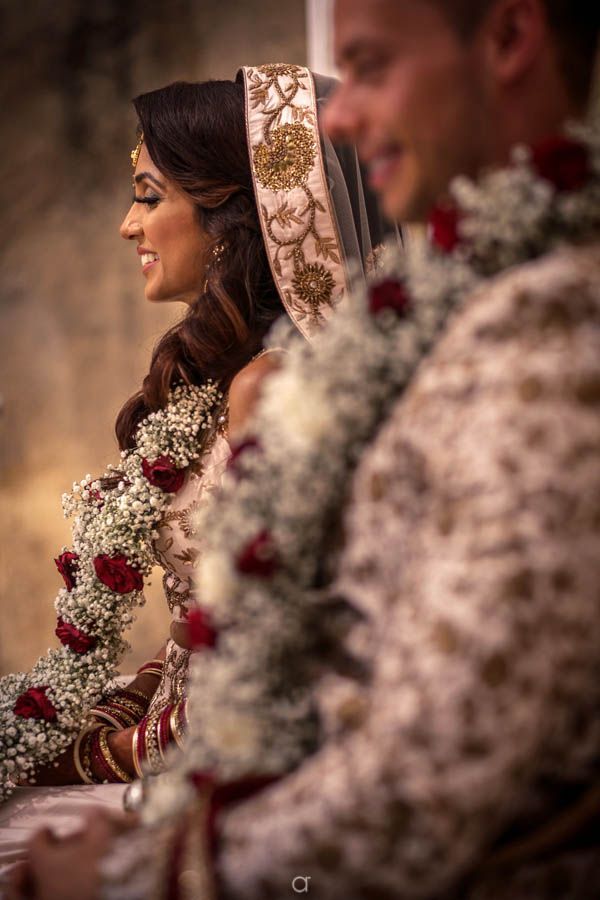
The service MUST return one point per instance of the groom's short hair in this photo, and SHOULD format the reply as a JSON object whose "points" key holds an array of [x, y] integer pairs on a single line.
{"points": [[576, 24]]}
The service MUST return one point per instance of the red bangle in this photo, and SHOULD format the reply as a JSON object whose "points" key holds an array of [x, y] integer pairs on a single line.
{"points": [[97, 758], [152, 667]]}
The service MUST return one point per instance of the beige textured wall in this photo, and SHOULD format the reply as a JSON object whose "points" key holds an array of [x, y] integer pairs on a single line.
{"points": [[75, 330]]}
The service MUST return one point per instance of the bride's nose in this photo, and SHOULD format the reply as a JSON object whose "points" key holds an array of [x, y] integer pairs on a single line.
{"points": [[130, 229]]}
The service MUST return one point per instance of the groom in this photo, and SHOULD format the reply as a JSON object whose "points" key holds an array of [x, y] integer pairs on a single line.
{"points": [[467, 764]]}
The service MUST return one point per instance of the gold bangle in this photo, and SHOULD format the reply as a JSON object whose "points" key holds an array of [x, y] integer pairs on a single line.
{"points": [[104, 718], [176, 729], [109, 759], [86, 779], [134, 747], [152, 744], [135, 691]]}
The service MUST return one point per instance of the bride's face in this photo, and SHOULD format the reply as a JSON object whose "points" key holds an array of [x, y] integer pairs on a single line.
{"points": [[171, 245]]}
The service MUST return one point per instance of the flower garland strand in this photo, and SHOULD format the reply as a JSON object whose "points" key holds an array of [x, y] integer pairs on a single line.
{"points": [[116, 517], [266, 551]]}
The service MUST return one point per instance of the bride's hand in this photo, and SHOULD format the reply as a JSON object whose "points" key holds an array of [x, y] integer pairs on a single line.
{"points": [[67, 868]]}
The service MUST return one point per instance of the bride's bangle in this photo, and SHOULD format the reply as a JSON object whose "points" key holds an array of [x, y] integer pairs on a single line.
{"points": [[152, 667], [81, 768], [136, 747], [103, 764], [178, 721]]}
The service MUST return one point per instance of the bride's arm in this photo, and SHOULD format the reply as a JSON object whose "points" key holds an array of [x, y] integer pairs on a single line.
{"points": [[245, 391], [63, 771]]}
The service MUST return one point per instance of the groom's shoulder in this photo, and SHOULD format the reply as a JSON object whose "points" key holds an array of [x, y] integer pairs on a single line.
{"points": [[536, 324], [536, 306], [535, 301], [565, 279]]}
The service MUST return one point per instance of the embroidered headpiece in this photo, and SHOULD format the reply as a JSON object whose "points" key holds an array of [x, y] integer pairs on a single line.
{"points": [[294, 206]]}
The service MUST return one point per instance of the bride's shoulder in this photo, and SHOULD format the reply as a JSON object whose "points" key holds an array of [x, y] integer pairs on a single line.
{"points": [[246, 387]]}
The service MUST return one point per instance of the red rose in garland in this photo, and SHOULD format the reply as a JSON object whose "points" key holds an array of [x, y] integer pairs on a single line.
{"points": [[389, 294], [66, 564], [562, 161], [72, 637], [163, 474], [443, 228], [258, 557], [35, 704], [117, 573], [238, 450], [201, 632]]}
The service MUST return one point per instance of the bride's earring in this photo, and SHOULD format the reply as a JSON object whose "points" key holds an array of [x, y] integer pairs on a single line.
{"points": [[216, 256]]}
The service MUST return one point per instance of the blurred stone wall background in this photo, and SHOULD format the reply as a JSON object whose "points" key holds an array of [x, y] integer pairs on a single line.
{"points": [[75, 330]]}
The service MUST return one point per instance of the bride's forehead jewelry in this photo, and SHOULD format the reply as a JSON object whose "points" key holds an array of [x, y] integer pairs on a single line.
{"points": [[135, 154]]}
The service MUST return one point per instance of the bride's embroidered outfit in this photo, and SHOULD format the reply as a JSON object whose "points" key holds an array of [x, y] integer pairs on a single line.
{"points": [[313, 212], [177, 551]]}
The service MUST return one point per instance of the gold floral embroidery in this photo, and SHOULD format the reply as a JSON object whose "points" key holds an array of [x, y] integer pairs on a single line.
{"points": [[174, 595], [314, 285], [185, 518], [273, 70], [286, 160], [173, 681], [189, 556]]}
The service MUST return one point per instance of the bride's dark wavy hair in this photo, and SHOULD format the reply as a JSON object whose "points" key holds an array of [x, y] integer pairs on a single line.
{"points": [[196, 136]]}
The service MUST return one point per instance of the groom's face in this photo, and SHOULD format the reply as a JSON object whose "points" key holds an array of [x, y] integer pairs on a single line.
{"points": [[412, 99]]}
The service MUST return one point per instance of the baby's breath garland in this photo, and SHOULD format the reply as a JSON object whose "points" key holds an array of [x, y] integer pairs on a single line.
{"points": [[272, 531], [116, 516]]}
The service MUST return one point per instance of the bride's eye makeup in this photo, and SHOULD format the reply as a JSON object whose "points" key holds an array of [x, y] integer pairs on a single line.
{"points": [[150, 199]]}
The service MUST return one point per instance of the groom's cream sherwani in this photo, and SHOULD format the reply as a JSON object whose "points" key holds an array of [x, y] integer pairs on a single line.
{"points": [[473, 551]]}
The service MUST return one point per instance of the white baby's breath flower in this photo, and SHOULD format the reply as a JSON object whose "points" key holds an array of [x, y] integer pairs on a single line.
{"points": [[117, 521]]}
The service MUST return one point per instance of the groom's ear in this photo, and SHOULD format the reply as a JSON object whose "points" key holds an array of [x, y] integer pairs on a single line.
{"points": [[513, 35]]}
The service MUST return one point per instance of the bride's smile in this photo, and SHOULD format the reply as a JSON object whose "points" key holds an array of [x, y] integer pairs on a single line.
{"points": [[171, 243]]}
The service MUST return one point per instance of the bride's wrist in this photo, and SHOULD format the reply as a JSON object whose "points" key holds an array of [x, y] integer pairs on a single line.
{"points": [[120, 746]]}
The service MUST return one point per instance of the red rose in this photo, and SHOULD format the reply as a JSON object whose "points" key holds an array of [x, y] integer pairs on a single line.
{"points": [[66, 564], [258, 557], [443, 227], [117, 573], [163, 474], [237, 450], [563, 162], [201, 632], [203, 781], [34, 704], [389, 294], [72, 637]]}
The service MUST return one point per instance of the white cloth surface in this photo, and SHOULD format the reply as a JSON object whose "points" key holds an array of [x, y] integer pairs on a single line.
{"points": [[58, 808]]}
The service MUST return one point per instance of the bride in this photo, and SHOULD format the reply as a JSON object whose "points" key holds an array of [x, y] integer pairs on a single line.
{"points": [[242, 218]]}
